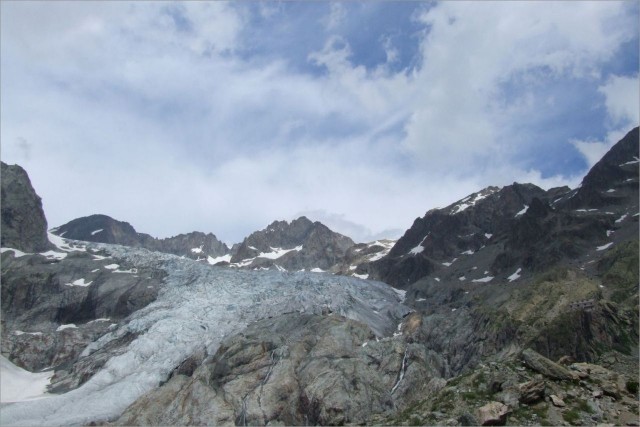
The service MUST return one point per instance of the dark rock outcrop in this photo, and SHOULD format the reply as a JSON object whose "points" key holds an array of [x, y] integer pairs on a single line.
{"points": [[24, 225], [300, 244]]}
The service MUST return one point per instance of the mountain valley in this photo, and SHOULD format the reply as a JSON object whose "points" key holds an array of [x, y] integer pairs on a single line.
{"points": [[514, 305]]}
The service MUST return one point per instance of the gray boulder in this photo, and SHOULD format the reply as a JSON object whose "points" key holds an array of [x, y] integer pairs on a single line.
{"points": [[546, 367]]}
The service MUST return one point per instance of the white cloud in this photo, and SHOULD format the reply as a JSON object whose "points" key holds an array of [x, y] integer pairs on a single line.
{"points": [[475, 47], [336, 17], [621, 99], [143, 111]]}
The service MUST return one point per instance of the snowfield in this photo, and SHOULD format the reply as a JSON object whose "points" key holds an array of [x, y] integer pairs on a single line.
{"points": [[197, 306]]}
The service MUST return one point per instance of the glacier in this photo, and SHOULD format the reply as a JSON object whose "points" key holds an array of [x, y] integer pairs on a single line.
{"points": [[197, 306]]}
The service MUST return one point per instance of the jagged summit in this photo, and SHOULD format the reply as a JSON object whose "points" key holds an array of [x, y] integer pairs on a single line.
{"points": [[300, 244]]}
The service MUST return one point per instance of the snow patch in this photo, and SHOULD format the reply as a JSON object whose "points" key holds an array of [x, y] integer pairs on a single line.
{"points": [[448, 264], [467, 252], [213, 261], [609, 232], [488, 235], [603, 247], [19, 385], [197, 250], [611, 190], [317, 270], [621, 218], [631, 162], [483, 280], [462, 279], [515, 276], [523, 211], [361, 276], [278, 252], [67, 326], [94, 232], [415, 251], [111, 266], [401, 294], [352, 267], [79, 282], [54, 255], [16, 253]]}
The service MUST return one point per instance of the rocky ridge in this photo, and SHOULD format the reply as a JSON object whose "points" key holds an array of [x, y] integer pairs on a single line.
{"points": [[104, 229], [292, 246]]}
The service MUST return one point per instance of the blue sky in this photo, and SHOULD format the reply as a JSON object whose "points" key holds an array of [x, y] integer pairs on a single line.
{"points": [[223, 117]]}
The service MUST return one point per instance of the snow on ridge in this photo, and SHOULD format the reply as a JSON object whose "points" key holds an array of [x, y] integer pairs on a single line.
{"points": [[467, 252], [475, 198], [523, 211], [197, 250], [515, 276], [361, 276], [67, 326], [94, 232]]}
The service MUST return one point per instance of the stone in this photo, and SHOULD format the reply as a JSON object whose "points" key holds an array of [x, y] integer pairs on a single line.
{"points": [[566, 360], [532, 391], [597, 394], [492, 414], [546, 367], [557, 401]]}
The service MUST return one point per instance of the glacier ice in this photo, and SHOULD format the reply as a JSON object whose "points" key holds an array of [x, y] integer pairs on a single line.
{"points": [[198, 305]]}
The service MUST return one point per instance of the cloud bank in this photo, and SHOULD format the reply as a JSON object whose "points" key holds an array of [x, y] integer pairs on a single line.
{"points": [[223, 117]]}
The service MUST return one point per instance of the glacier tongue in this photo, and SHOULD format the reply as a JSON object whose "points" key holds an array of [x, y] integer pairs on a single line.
{"points": [[198, 305]]}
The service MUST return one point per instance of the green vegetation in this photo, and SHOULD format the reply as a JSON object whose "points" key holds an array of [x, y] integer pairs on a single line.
{"points": [[632, 387], [572, 416]]}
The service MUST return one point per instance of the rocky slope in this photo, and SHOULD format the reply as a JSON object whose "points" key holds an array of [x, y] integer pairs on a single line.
{"points": [[502, 234], [23, 222], [104, 229], [292, 246]]}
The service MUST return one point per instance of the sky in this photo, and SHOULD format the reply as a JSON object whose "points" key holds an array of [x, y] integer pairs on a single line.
{"points": [[223, 117]]}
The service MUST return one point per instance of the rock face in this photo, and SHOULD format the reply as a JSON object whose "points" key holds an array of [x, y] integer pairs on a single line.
{"points": [[104, 229], [300, 244], [511, 232], [292, 369], [24, 225]]}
